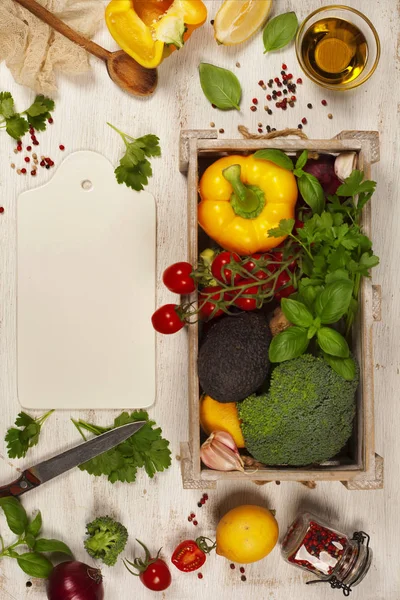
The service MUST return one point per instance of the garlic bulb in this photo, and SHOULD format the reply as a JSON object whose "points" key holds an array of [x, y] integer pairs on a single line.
{"points": [[220, 452], [345, 163]]}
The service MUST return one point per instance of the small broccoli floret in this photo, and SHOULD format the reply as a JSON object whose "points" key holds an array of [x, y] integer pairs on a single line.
{"points": [[107, 539], [305, 417]]}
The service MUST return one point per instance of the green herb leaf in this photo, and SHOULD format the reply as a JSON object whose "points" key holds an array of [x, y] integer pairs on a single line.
{"points": [[333, 302], [20, 440], [288, 344], [276, 156], [35, 526], [296, 312], [16, 516], [332, 342], [146, 449], [284, 228], [35, 565], [345, 367], [354, 185], [6, 105], [16, 127], [220, 86], [280, 31], [301, 161], [44, 545], [312, 192], [41, 106], [337, 275], [30, 540]]}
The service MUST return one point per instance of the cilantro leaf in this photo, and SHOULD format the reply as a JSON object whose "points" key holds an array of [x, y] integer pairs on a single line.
{"points": [[134, 168], [41, 106], [16, 126], [25, 435], [39, 122], [6, 105], [145, 449], [284, 228]]}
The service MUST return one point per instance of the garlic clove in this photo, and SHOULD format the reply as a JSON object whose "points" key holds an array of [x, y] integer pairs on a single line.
{"points": [[220, 452], [345, 163]]}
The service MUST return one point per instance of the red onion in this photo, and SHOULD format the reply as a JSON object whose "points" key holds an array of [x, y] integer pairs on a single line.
{"points": [[74, 580], [323, 169]]}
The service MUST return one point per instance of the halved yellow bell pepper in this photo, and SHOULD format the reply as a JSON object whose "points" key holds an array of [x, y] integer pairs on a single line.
{"points": [[242, 198], [149, 30]]}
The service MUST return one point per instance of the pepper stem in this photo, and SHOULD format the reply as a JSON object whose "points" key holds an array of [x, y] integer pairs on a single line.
{"points": [[247, 200]]}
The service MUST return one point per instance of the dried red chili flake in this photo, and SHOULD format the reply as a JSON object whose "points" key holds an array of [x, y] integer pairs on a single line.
{"points": [[253, 108], [324, 103]]}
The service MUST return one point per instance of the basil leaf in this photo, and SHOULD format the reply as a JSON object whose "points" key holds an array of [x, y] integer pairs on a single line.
{"points": [[36, 525], [288, 344], [280, 31], [312, 192], [332, 342], [301, 161], [35, 565], [333, 302], [336, 275], [276, 156], [296, 312], [311, 331], [16, 516], [345, 367], [220, 86], [43, 545], [30, 540]]}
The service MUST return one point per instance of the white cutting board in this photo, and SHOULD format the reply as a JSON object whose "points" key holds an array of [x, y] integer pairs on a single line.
{"points": [[86, 290]]}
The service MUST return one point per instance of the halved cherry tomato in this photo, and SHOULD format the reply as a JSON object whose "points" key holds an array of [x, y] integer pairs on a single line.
{"points": [[166, 319], [221, 272], [283, 279], [190, 555], [177, 278], [208, 307]]}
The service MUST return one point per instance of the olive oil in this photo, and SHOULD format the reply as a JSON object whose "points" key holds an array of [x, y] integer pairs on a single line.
{"points": [[334, 50]]}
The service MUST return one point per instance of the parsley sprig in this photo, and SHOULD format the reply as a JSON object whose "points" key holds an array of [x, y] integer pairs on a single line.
{"points": [[17, 124], [134, 167], [145, 449], [25, 435]]}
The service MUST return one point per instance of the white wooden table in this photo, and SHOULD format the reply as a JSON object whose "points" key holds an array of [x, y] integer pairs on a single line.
{"points": [[155, 511]]}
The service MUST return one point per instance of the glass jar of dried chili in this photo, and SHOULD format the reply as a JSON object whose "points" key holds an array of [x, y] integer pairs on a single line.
{"points": [[330, 555]]}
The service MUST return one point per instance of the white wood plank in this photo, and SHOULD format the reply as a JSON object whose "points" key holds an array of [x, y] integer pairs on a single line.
{"points": [[156, 511]]}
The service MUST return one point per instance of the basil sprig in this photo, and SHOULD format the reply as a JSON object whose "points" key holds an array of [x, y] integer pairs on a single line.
{"points": [[220, 86], [33, 562], [280, 31], [328, 306]]}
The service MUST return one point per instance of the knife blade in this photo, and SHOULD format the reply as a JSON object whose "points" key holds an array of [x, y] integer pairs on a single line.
{"points": [[48, 469]]}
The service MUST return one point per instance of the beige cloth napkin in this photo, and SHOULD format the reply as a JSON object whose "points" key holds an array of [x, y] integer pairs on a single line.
{"points": [[33, 51]]}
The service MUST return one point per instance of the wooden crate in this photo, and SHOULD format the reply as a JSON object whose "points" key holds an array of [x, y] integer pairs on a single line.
{"points": [[361, 468]]}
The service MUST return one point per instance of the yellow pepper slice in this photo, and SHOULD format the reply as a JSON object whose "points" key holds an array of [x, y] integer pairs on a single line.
{"points": [[242, 198], [149, 30]]}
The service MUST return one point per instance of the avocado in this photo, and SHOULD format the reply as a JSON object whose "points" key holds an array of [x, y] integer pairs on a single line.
{"points": [[233, 357]]}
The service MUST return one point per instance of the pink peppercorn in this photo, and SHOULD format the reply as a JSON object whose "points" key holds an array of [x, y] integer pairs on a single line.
{"points": [[195, 523], [50, 120], [62, 147], [299, 80], [304, 121], [279, 94], [324, 103], [33, 173], [253, 108], [23, 171], [27, 159], [200, 575], [269, 97], [1, 209], [284, 67], [29, 148]]}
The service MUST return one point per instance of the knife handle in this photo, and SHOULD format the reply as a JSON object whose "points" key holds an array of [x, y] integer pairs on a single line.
{"points": [[26, 482]]}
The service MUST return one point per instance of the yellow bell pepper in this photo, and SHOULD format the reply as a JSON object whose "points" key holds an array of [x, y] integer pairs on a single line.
{"points": [[149, 30], [242, 198]]}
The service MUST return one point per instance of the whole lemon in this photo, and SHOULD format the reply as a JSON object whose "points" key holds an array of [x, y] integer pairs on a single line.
{"points": [[247, 534], [218, 416]]}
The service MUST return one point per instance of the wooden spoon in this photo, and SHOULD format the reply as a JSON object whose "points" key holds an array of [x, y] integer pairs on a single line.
{"points": [[123, 70]]}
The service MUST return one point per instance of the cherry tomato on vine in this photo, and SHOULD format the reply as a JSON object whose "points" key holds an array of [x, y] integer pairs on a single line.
{"points": [[221, 272], [153, 572], [250, 266], [207, 302], [177, 278], [248, 303], [190, 555], [166, 319], [283, 279]]}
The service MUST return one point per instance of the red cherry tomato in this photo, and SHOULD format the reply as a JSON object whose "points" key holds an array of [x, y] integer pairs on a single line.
{"points": [[166, 319], [221, 272], [247, 303], [279, 257], [250, 266], [207, 303], [282, 280], [298, 224], [177, 278], [157, 576]]}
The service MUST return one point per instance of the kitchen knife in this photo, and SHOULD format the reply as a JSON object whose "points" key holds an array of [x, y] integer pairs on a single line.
{"points": [[44, 471]]}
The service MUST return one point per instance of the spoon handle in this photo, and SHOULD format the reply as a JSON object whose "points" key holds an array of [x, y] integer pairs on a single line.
{"points": [[45, 15]]}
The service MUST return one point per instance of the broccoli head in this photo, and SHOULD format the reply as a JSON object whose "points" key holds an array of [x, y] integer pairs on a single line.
{"points": [[107, 539], [305, 417]]}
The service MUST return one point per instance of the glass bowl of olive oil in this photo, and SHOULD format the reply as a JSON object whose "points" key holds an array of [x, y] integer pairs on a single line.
{"points": [[338, 47]]}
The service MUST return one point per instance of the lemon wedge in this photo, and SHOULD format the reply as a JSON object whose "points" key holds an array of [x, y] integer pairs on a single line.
{"points": [[237, 20]]}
